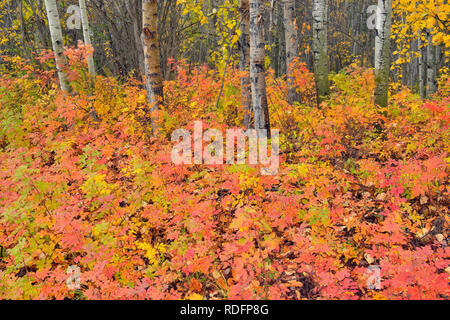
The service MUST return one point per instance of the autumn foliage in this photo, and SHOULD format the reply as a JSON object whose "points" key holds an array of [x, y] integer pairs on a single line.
{"points": [[357, 186]]}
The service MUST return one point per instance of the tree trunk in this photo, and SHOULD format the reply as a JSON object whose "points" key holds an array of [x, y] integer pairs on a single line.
{"points": [[86, 34], [153, 75], [57, 42], [320, 47], [42, 40], [291, 47], [279, 50], [215, 36], [422, 68], [257, 66], [244, 61], [431, 65], [382, 52], [133, 8], [23, 33]]}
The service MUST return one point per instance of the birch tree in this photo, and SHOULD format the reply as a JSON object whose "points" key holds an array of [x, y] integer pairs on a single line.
{"points": [[383, 51], [291, 46], [431, 65], [422, 67], [57, 43], [257, 66], [86, 34], [320, 47], [150, 41], [244, 60]]}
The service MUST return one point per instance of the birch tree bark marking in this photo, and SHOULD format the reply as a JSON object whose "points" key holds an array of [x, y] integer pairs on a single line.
{"points": [[431, 65], [257, 66], [86, 34], [150, 41], [383, 51], [320, 47], [244, 61], [57, 42], [422, 67]]}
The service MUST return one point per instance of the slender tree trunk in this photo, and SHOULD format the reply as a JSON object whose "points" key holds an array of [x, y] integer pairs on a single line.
{"points": [[413, 66], [279, 54], [291, 47], [431, 65], [215, 36], [153, 75], [257, 66], [86, 34], [272, 39], [57, 42], [133, 9], [422, 67], [382, 52], [320, 47], [438, 62], [23, 35], [244, 61], [42, 40]]}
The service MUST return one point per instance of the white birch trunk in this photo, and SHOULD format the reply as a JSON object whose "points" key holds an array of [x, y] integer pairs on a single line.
{"points": [[86, 34], [422, 68], [383, 51], [320, 46], [431, 65], [150, 41], [244, 60], [57, 42], [257, 66]]}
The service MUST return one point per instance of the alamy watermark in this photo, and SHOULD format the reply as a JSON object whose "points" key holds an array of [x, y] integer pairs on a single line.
{"points": [[373, 11], [374, 280], [74, 20], [372, 19], [236, 140], [73, 282]]}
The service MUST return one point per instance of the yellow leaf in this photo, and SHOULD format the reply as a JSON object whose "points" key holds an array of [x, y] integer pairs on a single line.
{"points": [[194, 296]]}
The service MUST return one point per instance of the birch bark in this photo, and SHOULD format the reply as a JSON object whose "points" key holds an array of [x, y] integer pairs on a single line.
{"points": [[86, 34], [320, 47], [57, 43], [150, 41], [244, 61], [422, 67], [382, 51], [431, 65], [257, 66]]}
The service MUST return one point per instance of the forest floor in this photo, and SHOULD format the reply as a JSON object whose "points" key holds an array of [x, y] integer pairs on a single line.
{"points": [[361, 195]]}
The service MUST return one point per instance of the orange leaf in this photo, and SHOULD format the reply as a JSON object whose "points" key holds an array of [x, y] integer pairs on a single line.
{"points": [[195, 285]]}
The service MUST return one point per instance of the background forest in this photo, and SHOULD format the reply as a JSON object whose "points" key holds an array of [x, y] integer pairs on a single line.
{"points": [[92, 207]]}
